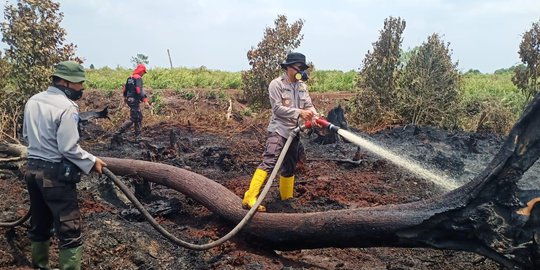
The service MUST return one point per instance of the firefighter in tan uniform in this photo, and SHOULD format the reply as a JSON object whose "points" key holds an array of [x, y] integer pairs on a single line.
{"points": [[290, 102], [55, 163]]}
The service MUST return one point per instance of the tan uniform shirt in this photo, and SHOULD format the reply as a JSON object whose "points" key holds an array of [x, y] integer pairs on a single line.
{"points": [[50, 128], [287, 99]]}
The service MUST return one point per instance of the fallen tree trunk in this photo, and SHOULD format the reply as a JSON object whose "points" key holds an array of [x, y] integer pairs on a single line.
{"points": [[480, 216]]}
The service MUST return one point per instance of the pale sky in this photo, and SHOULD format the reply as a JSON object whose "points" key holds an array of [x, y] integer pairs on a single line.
{"points": [[483, 34]]}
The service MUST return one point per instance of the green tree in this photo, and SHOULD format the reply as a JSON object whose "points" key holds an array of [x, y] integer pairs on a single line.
{"points": [[507, 70], [266, 57], [526, 77], [4, 72], [406, 56], [474, 71], [429, 92], [378, 77], [35, 43], [139, 59]]}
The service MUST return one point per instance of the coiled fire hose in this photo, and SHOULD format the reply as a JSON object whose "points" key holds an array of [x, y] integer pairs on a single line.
{"points": [[319, 121]]}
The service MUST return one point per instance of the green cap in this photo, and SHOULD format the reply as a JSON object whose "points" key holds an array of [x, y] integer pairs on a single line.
{"points": [[70, 71]]}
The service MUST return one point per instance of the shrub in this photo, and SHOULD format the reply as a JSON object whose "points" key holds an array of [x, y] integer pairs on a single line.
{"points": [[379, 75], [526, 77], [186, 94], [429, 88]]}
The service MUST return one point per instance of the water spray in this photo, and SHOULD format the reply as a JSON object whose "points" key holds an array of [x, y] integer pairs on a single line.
{"points": [[402, 162]]}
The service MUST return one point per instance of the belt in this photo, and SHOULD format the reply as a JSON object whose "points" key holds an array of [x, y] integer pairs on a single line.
{"points": [[39, 163]]}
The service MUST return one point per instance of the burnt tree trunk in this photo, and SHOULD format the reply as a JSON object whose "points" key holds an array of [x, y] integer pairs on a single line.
{"points": [[479, 217]]}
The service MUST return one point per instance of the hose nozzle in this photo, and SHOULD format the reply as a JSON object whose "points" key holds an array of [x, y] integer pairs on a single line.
{"points": [[321, 122]]}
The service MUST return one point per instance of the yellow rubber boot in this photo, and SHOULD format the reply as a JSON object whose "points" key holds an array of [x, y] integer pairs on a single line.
{"points": [[286, 187], [250, 197]]}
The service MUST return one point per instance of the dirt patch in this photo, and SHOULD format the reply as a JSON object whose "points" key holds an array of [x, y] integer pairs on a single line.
{"points": [[228, 152]]}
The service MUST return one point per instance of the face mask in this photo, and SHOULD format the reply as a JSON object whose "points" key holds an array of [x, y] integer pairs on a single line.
{"points": [[70, 93], [301, 75]]}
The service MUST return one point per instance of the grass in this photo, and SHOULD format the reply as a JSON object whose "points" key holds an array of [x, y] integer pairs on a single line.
{"points": [[184, 78], [497, 87], [485, 94], [162, 78]]}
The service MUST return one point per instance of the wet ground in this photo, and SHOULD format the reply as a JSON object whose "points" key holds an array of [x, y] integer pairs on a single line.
{"points": [[116, 237]]}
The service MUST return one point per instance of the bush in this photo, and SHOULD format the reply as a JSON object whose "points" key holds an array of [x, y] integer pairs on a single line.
{"points": [[526, 77], [429, 87], [379, 76]]}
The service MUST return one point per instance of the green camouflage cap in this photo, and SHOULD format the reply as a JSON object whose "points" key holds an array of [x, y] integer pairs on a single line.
{"points": [[70, 71]]}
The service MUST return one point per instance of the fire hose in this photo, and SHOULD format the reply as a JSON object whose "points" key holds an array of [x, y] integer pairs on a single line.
{"points": [[307, 125], [17, 222]]}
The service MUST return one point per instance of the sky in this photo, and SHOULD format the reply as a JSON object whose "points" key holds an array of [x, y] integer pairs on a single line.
{"points": [[483, 34]]}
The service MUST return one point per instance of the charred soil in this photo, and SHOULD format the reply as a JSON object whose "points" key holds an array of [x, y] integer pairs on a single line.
{"points": [[193, 134]]}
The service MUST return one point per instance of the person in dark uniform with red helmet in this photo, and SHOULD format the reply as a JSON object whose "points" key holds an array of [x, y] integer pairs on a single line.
{"points": [[133, 96]]}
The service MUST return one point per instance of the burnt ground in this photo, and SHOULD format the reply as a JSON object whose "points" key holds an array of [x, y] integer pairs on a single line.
{"points": [[228, 151]]}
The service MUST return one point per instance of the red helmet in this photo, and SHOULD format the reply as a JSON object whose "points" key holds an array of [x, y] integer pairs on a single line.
{"points": [[140, 70]]}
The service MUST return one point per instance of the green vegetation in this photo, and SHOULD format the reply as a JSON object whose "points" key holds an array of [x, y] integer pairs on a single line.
{"points": [[181, 79], [526, 76], [332, 81], [376, 102], [490, 101], [186, 94], [476, 88], [139, 59], [423, 86], [4, 72], [497, 86], [157, 101], [161, 78], [475, 84], [429, 86], [35, 43]]}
